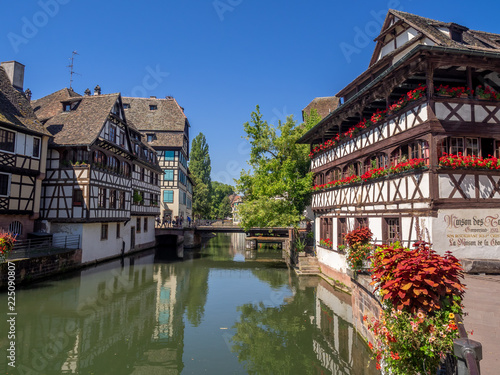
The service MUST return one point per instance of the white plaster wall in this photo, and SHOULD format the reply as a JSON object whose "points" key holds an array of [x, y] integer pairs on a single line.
{"points": [[93, 248], [467, 233], [332, 259], [375, 224], [144, 237]]}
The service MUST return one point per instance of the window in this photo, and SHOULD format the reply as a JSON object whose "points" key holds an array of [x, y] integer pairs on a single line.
{"points": [[117, 230], [153, 107], [376, 161], [399, 155], [16, 228], [138, 226], [145, 224], [472, 146], [7, 140], [121, 200], [151, 137], [77, 197], [4, 184], [341, 231], [169, 155], [169, 175], [168, 196], [102, 198], [112, 199], [392, 230], [122, 139], [112, 133], [361, 222], [189, 204], [99, 157], [126, 105], [104, 232], [352, 169], [143, 174], [466, 146], [36, 147], [113, 164]]}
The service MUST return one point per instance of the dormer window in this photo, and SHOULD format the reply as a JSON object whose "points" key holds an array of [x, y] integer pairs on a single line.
{"points": [[126, 105], [66, 107], [153, 107], [151, 137]]}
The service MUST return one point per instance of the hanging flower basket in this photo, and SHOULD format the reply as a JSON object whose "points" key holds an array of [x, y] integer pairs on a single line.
{"points": [[6, 245]]}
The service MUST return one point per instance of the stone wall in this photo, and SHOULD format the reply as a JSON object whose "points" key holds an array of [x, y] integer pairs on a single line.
{"points": [[364, 302], [31, 269]]}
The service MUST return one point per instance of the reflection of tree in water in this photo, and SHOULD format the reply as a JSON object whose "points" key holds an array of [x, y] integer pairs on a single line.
{"points": [[196, 295], [276, 340], [275, 278]]}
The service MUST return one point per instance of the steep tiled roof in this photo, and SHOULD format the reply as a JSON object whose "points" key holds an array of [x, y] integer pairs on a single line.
{"points": [[324, 105], [82, 125], [50, 105], [475, 40], [168, 116], [170, 139], [15, 109]]}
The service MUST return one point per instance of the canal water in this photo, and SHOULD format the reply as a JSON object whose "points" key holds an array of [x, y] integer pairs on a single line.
{"points": [[218, 310]]}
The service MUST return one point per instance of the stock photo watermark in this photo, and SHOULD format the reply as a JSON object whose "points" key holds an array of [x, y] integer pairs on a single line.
{"points": [[152, 79], [363, 36], [11, 314], [38, 20], [223, 6]]}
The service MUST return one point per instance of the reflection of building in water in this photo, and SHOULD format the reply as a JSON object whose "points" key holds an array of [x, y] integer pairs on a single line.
{"points": [[112, 316], [338, 350], [238, 242]]}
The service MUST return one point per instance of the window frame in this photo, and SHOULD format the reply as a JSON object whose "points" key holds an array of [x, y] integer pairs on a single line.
{"points": [[104, 231], [8, 133], [8, 184]]}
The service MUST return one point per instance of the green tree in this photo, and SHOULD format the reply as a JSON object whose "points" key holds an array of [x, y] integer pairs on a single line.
{"points": [[220, 200], [200, 168], [277, 191]]}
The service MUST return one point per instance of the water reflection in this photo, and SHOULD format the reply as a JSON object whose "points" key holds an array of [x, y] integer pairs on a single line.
{"points": [[213, 311]]}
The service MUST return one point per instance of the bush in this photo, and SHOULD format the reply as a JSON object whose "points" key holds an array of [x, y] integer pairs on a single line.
{"points": [[359, 247], [421, 293]]}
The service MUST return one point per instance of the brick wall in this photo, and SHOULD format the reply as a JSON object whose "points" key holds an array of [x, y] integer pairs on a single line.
{"points": [[36, 268], [364, 303], [6, 220]]}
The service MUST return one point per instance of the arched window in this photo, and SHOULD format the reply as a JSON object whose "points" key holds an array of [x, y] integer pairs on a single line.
{"points": [[419, 149], [113, 163], [333, 174], [125, 170], [352, 169], [16, 228], [319, 179], [99, 157], [379, 160], [399, 155]]}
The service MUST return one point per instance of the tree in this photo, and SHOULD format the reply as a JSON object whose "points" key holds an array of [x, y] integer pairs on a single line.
{"points": [[200, 168], [279, 188], [220, 200]]}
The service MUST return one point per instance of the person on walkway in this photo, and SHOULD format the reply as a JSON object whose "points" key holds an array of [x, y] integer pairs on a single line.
{"points": [[158, 224], [189, 221]]}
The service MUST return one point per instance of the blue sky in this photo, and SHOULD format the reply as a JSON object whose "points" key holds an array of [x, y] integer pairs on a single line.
{"points": [[218, 58]]}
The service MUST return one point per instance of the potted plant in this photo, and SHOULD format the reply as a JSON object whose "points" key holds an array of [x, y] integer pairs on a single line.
{"points": [[6, 245], [487, 93], [359, 247]]}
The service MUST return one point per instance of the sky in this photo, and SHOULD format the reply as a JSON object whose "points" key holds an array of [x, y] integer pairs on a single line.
{"points": [[217, 58]]}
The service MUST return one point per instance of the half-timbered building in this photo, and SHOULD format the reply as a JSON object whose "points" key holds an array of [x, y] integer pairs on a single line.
{"points": [[101, 180], [23, 149], [166, 128], [411, 151]]}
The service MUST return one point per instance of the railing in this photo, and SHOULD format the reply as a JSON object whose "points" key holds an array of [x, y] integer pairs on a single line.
{"points": [[468, 352], [33, 248]]}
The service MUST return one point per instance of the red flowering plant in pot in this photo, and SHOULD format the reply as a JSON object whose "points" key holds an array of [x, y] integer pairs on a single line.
{"points": [[421, 292], [454, 92], [460, 161], [326, 242], [358, 247], [6, 244], [487, 93]]}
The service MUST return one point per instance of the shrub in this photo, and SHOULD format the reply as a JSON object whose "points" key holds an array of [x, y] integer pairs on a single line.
{"points": [[359, 247]]}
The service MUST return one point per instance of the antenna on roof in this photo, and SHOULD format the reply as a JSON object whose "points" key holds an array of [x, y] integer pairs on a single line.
{"points": [[70, 66]]}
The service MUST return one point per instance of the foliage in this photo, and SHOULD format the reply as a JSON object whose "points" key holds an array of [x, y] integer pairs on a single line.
{"points": [[378, 116], [487, 93], [137, 197], [417, 279], [200, 168], [421, 293], [373, 173], [412, 343], [6, 244], [359, 247], [300, 244], [220, 205], [472, 162], [277, 191], [326, 242], [454, 92]]}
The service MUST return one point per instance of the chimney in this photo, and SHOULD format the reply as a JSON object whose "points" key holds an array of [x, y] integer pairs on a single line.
{"points": [[152, 97], [87, 92], [27, 94], [97, 90], [15, 72]]}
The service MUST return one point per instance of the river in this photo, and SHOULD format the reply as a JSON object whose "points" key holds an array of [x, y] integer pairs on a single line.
{"points": [[218, 310]]}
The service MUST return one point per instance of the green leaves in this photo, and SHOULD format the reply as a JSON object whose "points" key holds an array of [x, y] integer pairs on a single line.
{"points": [[200, 168], [277, 189]]}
